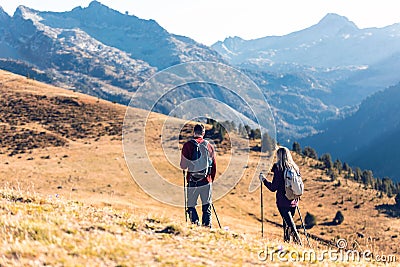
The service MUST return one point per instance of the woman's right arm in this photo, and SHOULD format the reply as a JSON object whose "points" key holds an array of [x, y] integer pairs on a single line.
{"points": [[273, 186]]}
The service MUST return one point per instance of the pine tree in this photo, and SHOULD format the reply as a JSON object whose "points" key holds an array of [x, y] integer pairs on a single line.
{"points": [[233, 125], [255, 134], [338, 165], [332, 175], [379, 184], [373, 183], [350, 173], [247, 130], [296, 147], [241, 130], [310, 152], [387, 185], [327, 160], [222, 132], [367, 177], [267, 143], [346, 167], [252, 134], [357, 174]]}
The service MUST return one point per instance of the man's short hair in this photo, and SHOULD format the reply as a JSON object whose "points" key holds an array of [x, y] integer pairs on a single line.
{"points": [[199, 129]]}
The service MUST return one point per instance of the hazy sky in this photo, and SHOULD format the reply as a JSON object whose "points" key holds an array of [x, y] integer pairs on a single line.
{"points": [[208, 21]]}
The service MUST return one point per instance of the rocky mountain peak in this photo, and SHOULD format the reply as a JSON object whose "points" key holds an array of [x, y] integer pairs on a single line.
{"points": [[27, 13], [334, 22], [233, 41], [229, 45], [3, 15], [97, 6], [21, 11]]}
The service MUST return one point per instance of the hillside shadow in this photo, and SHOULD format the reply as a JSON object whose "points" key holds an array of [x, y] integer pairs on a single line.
{"points": [[390, 210], [320, 240], [331, 223]]}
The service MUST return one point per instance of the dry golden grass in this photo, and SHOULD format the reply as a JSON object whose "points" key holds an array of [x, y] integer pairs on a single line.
{"points": [[54, 228], [38, 231]]}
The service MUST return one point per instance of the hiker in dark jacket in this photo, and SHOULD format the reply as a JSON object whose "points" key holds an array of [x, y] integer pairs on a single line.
{"points": [[198, 186], [285, 206]]}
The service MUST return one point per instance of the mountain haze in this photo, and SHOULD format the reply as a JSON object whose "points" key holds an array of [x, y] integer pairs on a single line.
{"points": [[331, 43], [334, 48], [369, 138]]}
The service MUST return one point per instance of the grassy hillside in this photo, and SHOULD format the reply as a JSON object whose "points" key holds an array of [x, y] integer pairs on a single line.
{"points": [[53, 231], [69, 198]]}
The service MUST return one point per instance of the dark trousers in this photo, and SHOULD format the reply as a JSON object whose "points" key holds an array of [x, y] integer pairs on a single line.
{"points": [[204, 190], [289, 227]]}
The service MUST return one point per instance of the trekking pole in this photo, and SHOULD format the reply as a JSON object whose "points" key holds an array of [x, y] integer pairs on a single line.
{"points": [[216, 216], [301, 219], [185, 194], [262, 211]]}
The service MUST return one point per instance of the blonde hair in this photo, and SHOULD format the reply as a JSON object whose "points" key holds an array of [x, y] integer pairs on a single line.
{"points": [[285, 159]]}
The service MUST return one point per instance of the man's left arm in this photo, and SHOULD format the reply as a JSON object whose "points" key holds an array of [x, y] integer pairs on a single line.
{"points": [[185, 156]]}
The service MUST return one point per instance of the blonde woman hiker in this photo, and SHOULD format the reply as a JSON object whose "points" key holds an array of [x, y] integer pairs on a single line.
{"points": [[285, 206]]}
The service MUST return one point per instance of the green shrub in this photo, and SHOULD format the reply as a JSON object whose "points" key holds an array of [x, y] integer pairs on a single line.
{"points": [[310, 220], [339, 218]]}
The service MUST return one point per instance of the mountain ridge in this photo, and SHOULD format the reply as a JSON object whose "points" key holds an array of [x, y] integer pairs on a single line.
{"points": [[356, 138], [334, 49], [329, 26], [142, 39], [83, 51], [340, 23]]}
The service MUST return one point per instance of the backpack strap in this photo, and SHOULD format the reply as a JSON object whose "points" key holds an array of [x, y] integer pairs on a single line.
{"points": [[205, 143], [198, 144]]}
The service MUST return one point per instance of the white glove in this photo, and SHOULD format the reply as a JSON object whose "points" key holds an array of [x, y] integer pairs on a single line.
{"points": [[262, 177]]}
